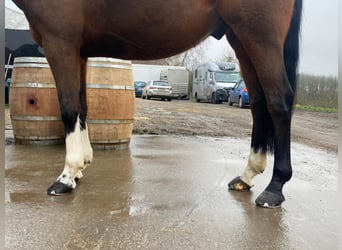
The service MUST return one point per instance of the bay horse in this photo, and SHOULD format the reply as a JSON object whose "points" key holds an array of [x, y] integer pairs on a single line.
{"points": [[264, 34]]}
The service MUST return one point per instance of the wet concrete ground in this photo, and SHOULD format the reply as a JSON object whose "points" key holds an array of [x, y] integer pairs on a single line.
{"points": [[168, 192]]}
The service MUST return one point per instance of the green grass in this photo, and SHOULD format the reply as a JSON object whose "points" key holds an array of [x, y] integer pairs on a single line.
{"points": [[317, 109]]}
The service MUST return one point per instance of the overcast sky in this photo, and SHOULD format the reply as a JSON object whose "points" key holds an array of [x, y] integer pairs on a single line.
{"points": [[319, 44], [319, 39]]}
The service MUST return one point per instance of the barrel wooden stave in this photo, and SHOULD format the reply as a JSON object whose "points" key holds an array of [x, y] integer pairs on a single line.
{"points": [[34, 108], [111, 102], [35, 111]]}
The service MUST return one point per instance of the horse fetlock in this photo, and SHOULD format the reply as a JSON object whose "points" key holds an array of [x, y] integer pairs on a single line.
{"points": [[78, 175], [68, 180], [69, 174], [87, 161], [75, 164]]}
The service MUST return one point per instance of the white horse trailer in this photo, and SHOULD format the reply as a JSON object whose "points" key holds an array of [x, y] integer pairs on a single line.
{"points": [[213, 80], [179, 81]]}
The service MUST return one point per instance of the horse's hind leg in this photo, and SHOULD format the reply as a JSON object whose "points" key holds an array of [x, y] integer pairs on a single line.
{"points": [[69, 71], [85, 142], [263, 40], [262, 123], [268, 62]]}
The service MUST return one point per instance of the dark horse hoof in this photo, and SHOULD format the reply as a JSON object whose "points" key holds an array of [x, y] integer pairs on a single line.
{"points": [[238, 185], [269, 200], [58, 189]]}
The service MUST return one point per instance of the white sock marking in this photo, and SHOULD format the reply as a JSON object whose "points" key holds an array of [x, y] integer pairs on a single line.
{"points": [[79, 155], [256, 165]]}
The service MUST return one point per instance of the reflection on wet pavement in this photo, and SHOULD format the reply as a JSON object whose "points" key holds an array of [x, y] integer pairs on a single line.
{"points": [[167, 192]]}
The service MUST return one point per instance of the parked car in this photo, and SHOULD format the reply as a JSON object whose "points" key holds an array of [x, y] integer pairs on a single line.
{"points": [[239, 94], [157, 89], [138, 87]]}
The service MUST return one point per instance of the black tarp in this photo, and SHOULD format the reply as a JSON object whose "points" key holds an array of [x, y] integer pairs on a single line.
{"points": [[19, 43]]}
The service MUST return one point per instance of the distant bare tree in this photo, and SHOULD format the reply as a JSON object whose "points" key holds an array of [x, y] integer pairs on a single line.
{"points": [[230, 56], [188, 59]]}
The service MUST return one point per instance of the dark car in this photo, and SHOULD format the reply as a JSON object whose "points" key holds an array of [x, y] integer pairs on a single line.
{"points": [[138, 87], [239, 94]]}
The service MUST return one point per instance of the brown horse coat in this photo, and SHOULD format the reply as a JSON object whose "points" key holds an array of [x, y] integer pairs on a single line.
{"points": [[264, 35]]}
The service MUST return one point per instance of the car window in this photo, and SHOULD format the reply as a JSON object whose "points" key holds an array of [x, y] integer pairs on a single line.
{"points": [[240, 85], [139, 84], [227, 77], [159, 83]]}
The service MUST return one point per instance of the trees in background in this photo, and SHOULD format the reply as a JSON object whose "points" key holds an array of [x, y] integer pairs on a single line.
{"points": [[317, 91], [188, 59]]}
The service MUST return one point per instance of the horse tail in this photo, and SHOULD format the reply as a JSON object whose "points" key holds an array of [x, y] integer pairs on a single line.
{"points": [[291, 47]]}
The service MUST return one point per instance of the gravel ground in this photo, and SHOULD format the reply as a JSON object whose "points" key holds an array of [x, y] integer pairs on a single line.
{"points": [[188, 118], [183, 117]]}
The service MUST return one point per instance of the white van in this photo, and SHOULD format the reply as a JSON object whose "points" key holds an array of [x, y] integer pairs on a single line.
{"points": [[213, 80]]}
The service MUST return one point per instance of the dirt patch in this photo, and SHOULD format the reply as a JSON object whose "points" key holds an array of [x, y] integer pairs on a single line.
{"points": [[183, 117], [188, 118]]}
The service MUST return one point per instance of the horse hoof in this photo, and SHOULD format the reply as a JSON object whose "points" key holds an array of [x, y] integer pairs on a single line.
{"points": [[58, 189], [269, 200], [238, 185]]}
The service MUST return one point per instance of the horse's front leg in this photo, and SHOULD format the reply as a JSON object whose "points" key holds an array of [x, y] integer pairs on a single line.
{"points": [[69, 71], [78, 157]]}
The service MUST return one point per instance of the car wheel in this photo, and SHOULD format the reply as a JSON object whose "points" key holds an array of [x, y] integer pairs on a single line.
{"points": [[197, 100], [169, 99], [148, 97], [241, 104], [230, 103]]}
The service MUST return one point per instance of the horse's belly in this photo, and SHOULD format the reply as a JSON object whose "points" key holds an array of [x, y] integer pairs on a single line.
{"points": [[140, 48], [131, 35]]}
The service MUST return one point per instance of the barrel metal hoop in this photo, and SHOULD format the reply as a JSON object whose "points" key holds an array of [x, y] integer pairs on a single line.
{"points": [[39, 137], [110, 141], [106, 86], [30, 65], [30, 60], [35, 118], [57, 118], [46, 66], [98, 121], [89, 86], [108, 59], [105, 65], [34, 85], [90, 60]]}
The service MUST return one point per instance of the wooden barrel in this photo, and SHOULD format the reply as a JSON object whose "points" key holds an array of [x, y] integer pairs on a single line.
{"points": [[111, 102], [34, 108]]}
